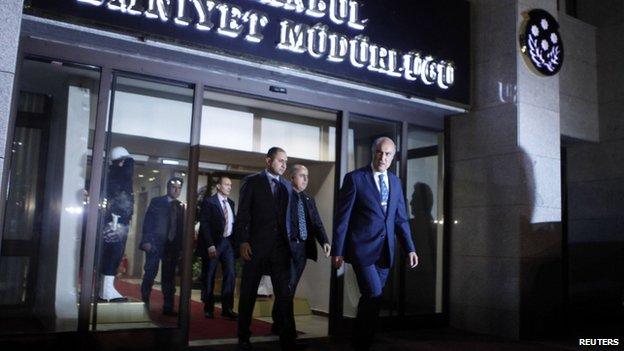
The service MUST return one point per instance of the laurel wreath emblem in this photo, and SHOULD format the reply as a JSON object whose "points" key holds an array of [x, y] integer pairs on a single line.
{"points": [[550, 60], [541, 42]]}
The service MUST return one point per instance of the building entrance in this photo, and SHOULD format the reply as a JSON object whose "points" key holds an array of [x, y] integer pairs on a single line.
{"points": [[236, 133]]}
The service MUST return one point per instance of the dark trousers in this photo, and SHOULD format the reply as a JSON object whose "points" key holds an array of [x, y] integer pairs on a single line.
{"points": [[278, 264], [209, 268], [371, 280], [297, 267], [169, 257], [113, 247]]}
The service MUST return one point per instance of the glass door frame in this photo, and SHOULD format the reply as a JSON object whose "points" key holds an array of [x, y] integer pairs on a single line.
{"points": [[340, 325], [200, 78]]}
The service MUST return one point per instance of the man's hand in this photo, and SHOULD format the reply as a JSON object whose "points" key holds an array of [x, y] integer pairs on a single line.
{"points": [[147, 247], [326, 249], [245, 251], [337, 261], [212, 252], [413, 258]]}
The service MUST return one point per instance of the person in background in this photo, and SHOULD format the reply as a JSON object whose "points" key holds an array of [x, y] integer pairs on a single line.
{"points": [[307, 230], [216, 244], [163, 230]]}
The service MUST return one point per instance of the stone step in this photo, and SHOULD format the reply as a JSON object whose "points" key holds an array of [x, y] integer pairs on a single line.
{"points": [[132, 311], [264, 306]]}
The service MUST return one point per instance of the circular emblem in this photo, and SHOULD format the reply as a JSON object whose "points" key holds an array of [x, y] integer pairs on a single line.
{"points": [[541, 43]]}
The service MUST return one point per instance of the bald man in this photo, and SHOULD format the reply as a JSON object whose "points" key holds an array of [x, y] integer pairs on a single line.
{"points": [[371, 207], [308, 229]]}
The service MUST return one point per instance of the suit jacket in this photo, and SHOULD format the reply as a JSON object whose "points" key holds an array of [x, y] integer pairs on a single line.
{"points": [[212, 223], [156, 223], [314, 225], [261, 219], [361, 228]]}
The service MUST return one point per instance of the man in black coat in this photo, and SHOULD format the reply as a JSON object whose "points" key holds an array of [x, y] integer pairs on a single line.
{"points": [[307, 230], [163, 228], [262, 230], [216, 244]]}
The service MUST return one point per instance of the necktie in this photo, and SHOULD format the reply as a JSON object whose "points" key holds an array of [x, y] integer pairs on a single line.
{"points": [[303, 230], [275, 187], [383, 189], [226, 218], [173, 218]]}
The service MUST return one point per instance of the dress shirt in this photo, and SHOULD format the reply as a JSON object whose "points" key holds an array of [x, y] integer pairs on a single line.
{"points": [[230, 215]]}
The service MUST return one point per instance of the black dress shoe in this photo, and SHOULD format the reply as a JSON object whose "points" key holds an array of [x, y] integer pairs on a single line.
{"points": [[244, 345], [209, 314], [170, 313], [229, 314]]}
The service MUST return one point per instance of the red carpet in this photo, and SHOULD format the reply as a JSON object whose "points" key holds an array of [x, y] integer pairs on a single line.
{"points": [[201, 328]]}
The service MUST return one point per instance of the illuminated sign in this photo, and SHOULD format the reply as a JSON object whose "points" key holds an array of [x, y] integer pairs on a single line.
{"points": [[399, 46], [541, 43]]}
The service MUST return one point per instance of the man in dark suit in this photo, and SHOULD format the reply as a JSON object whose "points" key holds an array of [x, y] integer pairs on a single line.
{"points": [[163, 228], [262, 230], [216, 244], [370, 208], [307, 230]]}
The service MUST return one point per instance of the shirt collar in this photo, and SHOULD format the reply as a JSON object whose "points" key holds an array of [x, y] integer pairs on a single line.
{"points": [[271, 176], [376, 174], [221, 197]]}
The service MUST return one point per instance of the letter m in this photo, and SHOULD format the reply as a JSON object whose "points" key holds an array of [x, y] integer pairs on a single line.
{"points": [[293, 36]]}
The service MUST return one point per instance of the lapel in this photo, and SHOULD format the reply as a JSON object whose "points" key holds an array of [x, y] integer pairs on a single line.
{"points": [[391, 189], [264, 180], [215, 200], [373, 186]]}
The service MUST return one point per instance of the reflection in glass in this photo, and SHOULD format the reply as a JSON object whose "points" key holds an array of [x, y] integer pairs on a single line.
{"points": [[424, 192], [144, 204], [44, 219]]}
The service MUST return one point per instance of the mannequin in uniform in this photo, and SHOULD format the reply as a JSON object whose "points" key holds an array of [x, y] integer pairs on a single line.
{"points": [[120, 206]]}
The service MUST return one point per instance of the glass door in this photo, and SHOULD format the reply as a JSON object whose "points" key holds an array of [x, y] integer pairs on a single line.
{"points": [[143, 204], [44, 218], [236, 133], [410, 296], [362, 133]]}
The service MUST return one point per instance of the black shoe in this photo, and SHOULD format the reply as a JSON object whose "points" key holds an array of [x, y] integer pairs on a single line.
{"points": [[244, 345], [209, 314], [229, 314], [170, 313]]}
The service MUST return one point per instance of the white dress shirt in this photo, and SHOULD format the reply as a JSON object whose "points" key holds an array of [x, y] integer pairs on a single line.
{"points": [[230, 215]]}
